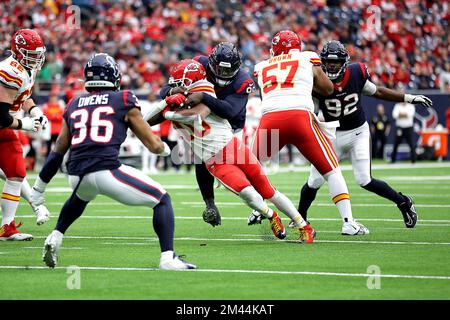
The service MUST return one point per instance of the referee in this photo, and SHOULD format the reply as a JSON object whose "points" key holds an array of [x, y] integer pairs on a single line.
{"points": [[403, 115]]}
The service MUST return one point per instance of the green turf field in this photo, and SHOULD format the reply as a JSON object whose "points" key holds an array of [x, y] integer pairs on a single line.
{"points": [[117, 252]]}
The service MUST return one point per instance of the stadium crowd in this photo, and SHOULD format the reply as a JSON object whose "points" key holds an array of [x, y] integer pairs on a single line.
{"points": [[404, 43]]}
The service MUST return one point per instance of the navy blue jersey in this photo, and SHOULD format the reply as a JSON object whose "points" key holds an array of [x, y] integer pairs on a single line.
{"points": [[97, 127], [231, 100], [344, 104]]}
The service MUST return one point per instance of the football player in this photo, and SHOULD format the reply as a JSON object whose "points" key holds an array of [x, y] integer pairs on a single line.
{"points": [[17, 75], [232, 86], [94, 127], [350, 81], [287, 81], [226, 157]]}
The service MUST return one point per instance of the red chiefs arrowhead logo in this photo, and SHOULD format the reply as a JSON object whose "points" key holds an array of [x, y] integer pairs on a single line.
{"points": [[20, 40], [276, 39]]}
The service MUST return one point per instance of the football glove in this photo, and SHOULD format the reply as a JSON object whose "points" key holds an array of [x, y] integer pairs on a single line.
{"points": [[36, 112], [166, 151], [30, 124], [175, 100], [416, 99]]}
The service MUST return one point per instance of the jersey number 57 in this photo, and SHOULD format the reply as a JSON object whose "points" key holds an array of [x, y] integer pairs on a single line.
{"points": [[271, 82]]}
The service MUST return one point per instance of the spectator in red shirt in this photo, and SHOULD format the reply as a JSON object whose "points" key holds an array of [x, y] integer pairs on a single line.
{"points": [[54, 110]]}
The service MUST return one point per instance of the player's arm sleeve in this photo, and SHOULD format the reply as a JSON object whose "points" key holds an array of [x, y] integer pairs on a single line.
{"points": [[369, 88], [164, 92], [227, 108], [56, 156]]}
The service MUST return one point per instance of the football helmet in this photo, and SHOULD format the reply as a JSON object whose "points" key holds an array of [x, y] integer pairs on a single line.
{"points": [[28, 49], [224, 63], [186, 72], [102, 71], [335, 58], [284, 41]]}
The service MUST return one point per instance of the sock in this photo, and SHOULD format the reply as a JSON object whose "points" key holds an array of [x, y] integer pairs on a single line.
{"points": [[205, 181], [339, 193], [285, 205], [255, 201], [10, 200], [307, 196], [71, 211], [25, 191], [382, 189], [163, 223]]}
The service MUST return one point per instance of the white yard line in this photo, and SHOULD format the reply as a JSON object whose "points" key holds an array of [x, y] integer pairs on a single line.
{"points": [[87, 216], [274, 272], [257, 238]]}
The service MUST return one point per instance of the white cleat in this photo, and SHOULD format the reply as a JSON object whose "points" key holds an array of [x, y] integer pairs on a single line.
{"points": [[175, 264], [52, 245], [354, 229], [42, 214]]}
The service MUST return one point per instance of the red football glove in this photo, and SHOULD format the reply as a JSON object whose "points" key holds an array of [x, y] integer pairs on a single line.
{"points": [[166, 109], [175, 99]]}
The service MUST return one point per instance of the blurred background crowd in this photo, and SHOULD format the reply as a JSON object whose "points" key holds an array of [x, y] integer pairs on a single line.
{"points": [[404, 43]]}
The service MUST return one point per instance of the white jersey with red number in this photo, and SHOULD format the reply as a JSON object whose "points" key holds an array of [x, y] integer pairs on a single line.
{"points": [[209, 136], [287, 80], [14, 76]]}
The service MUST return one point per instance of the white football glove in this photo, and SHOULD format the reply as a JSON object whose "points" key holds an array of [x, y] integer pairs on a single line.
{"points": [[30, 124], [416, 99], [166, 151], [36, 112]]}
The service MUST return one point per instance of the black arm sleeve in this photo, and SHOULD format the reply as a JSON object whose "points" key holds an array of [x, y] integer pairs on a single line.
{"points": [[5, 118], [164, 91], [51, 166], [228, 108]]}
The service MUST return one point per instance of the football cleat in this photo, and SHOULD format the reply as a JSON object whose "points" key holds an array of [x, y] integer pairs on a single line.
{"points": [[52, 245], [354, 228], [277, 227], [9, 232], [42, 214], [255, 218], [408, 211], [307, 234], [211, 215], [176, 263]]}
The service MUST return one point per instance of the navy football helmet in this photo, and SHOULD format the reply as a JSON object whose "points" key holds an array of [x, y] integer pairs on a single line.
{"points": [[102, 72], [224, 63], [335, 58]]}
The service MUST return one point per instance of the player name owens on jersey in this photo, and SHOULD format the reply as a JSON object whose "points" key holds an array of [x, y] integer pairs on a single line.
{"points": [[214, 132], [286, 81], [97, 127], [14, 76]]}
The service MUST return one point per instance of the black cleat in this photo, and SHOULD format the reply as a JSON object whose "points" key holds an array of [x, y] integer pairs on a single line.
{"points": [[255, 218], [211, 215], [408, 211]]}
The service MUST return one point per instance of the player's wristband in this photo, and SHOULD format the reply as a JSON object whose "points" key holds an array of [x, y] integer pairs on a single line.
{"points": [[31, 108]]}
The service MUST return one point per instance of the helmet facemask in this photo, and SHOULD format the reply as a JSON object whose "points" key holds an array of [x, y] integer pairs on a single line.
{"points": [[32, 59], [334, 67]]}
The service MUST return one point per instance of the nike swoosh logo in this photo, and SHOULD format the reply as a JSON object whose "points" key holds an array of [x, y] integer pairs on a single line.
{"points": [[358, 133]]}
